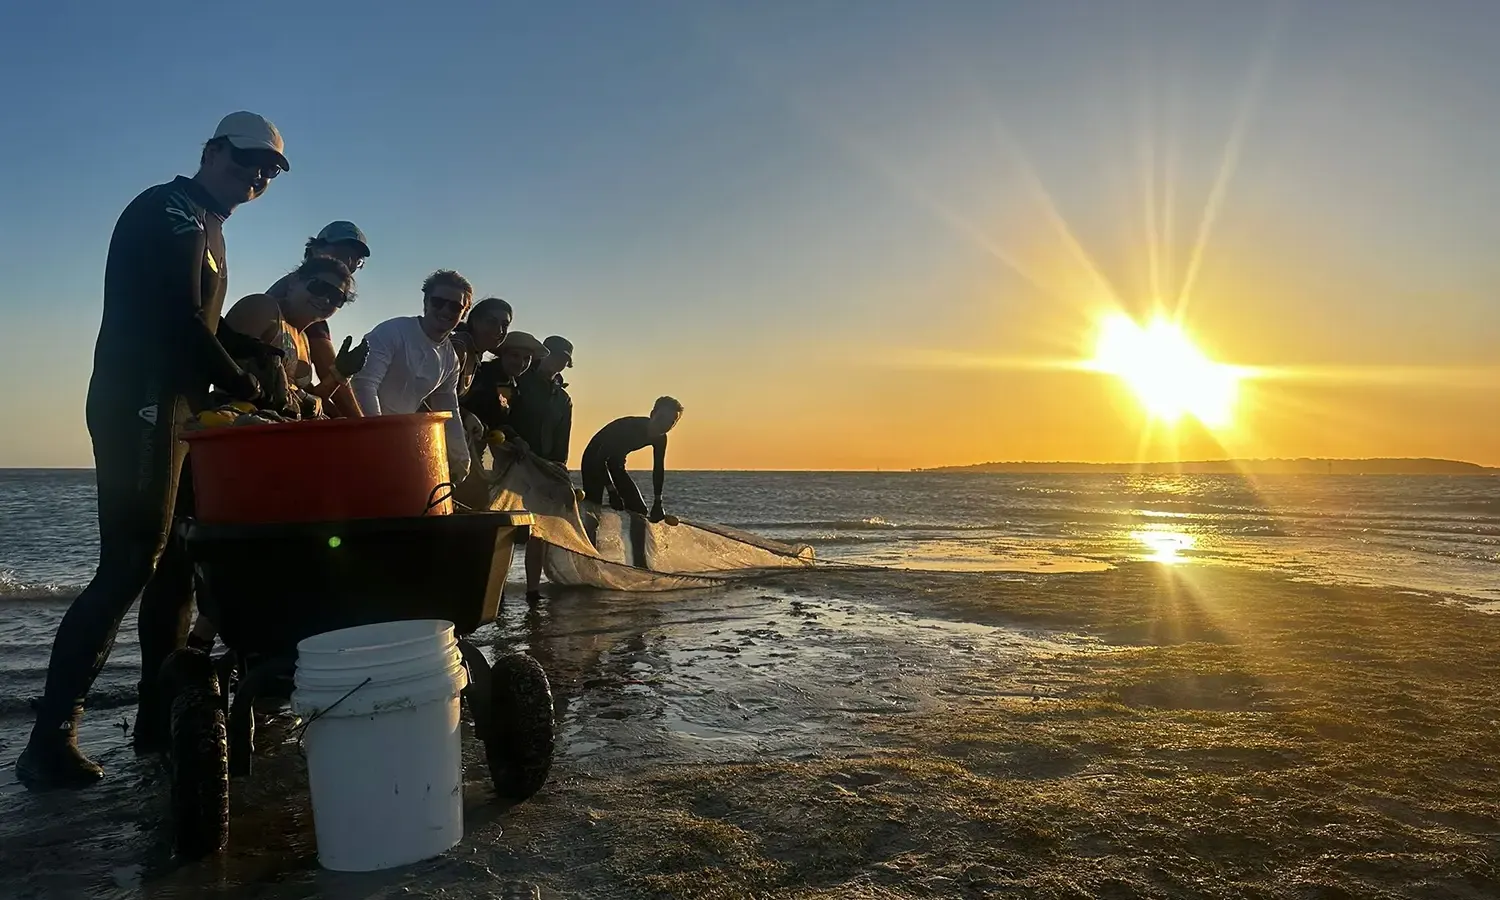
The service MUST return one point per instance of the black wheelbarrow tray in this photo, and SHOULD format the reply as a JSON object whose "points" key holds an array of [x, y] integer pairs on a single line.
{"points": [[267, 587]]}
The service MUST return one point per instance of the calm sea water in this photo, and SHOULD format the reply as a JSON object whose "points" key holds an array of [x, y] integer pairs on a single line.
{"points": [[1438, 535]]}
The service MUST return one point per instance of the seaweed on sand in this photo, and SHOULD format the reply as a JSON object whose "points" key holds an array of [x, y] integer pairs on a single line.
{"points": [[1239, 737]]}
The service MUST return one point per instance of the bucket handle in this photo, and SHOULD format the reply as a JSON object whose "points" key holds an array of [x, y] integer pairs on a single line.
{"points": [[433, 500], [302, 730]]}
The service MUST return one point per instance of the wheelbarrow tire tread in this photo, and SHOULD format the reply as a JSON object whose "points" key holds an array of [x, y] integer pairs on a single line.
{"points": [[199, 760], [520, 742]]}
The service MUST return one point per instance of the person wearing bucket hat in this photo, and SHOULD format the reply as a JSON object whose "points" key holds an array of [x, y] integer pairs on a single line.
{"points": [[345, 242], [160, 349], [542, 415], [542, 412], [493, 391]]}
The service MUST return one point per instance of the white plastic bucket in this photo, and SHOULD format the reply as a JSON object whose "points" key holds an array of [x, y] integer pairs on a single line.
{"points": [[383, 753]]}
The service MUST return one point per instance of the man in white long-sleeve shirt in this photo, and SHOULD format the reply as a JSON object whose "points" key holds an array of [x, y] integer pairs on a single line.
{"points": [[412, 366]]}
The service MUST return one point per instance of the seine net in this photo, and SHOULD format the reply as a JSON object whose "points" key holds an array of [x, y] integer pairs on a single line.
{"points": [[623, 551]]}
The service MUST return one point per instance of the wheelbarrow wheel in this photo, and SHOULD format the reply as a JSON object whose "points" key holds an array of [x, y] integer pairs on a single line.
{"points": [[477, 694], [519, 740], [198, 756]]}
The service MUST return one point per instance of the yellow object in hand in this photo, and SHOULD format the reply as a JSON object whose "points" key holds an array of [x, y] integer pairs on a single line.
{"points": [[243, 406], [216, 418], [578, 495]]}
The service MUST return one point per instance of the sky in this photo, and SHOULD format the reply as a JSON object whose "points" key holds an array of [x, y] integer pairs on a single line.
{"points": [[846, 235]]}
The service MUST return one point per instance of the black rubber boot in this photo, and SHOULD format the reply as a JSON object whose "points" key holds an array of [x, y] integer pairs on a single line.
{"points": [[153, 729], [53, 761], [533, 597]]}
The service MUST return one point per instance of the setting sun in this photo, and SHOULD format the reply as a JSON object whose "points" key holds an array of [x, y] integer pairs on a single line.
{"points": [[1168, 375]]}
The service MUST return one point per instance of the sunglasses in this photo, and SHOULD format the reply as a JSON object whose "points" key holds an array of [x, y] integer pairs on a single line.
{"points": [[256, 161], [331, 292], [440, 303]]}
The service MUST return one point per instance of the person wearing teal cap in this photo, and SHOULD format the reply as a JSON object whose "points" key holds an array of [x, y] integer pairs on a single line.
{"points": [[345, 242]]}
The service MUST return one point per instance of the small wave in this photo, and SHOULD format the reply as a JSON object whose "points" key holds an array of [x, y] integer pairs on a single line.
{"points": [[839, 540], [14, 590], [874, 523], [101, 699]]}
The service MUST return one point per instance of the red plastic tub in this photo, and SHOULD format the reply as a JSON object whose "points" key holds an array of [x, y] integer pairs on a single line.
{"points": [[322, 471]]}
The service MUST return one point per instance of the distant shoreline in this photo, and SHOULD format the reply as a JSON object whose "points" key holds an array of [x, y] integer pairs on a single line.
{"points": [[1305, 466]]}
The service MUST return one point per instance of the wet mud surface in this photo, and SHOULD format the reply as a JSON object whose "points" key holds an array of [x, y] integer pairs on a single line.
{"points": [[640, 683]]}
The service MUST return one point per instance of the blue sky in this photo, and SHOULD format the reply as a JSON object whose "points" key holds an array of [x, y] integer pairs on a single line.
{"points": [[763, 208]]}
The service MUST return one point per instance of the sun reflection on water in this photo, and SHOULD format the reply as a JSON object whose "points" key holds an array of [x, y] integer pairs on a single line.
{"points": [[1165, 546]]}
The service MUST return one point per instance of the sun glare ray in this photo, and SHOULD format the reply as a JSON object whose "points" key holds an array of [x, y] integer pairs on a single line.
{"points": [[1153, 231], [1056, 221], [955, 222], [1485, 378], [1229, 163], [1169, 196], [824, 122]]}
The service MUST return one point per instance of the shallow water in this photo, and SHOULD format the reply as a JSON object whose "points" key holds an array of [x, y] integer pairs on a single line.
{"points": [[1433, 534]]}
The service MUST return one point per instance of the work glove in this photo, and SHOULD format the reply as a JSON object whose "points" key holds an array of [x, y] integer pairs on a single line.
{"points": [[245, 387], [274, 391], [349, 362], [309, 405]]}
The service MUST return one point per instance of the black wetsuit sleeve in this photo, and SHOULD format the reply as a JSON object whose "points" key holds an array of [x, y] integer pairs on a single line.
{"points": [[564, 434], [483, 398], [183, 282], [659, 468]]}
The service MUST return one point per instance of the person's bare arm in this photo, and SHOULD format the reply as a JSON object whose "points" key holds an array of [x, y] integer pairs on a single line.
{"points": [[444, 398], [332, 386], [257, 316], [323, 354]]}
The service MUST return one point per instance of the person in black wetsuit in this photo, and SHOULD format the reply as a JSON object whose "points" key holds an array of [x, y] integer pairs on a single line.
{"points": [[542, 416], [159, 350], [604, 458], [491, 394]]}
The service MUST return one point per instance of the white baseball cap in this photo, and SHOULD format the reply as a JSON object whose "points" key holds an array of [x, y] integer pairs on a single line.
{"points": [[248, 131]]}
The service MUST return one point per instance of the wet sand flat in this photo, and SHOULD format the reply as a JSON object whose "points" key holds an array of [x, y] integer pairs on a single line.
{"points": [[1141, 732]]}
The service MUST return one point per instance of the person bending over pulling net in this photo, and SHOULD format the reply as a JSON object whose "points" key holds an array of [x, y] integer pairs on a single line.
{"points": [[604, 459]]}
